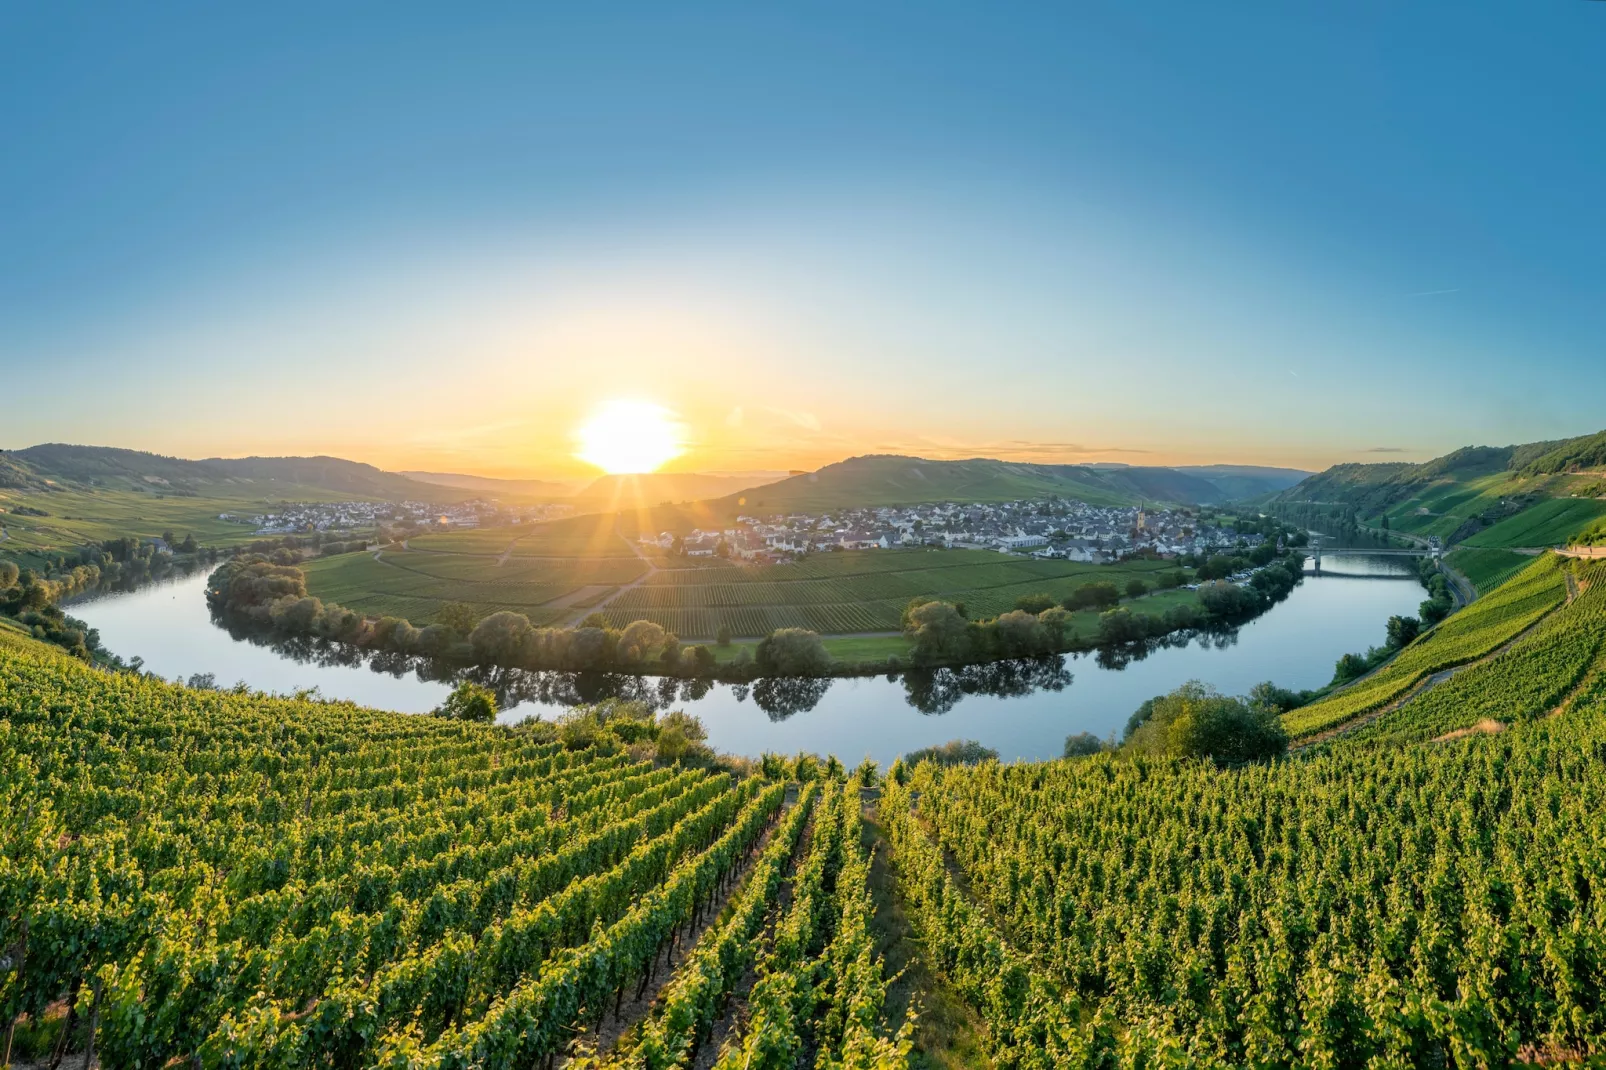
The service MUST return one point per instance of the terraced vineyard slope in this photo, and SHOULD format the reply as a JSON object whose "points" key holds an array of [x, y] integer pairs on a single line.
{"points": [[1475, 632], [219, 879]]}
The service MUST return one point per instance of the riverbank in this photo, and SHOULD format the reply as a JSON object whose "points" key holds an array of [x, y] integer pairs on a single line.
{"points": [[271, 594], [1023, 709]]}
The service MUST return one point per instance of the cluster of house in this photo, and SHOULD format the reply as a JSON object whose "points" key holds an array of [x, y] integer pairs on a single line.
{"points": [[1054, 528], [294, 517]]}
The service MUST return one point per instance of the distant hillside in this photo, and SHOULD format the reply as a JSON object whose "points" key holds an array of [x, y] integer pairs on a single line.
{"points": [[1462, 493], [120, 469], [1245, 480], [656, 488], [896, 480], [333, 473], [534, 488]]}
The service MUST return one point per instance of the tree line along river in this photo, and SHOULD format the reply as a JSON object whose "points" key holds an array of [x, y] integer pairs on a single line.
{"points": [[1021, 709]]}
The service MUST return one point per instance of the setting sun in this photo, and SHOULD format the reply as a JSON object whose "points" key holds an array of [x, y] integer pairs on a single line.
{"points": [[629, 436]]}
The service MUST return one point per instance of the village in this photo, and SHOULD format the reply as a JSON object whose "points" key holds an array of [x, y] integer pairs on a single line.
{"points": [[1051, 528], [302, 517]]}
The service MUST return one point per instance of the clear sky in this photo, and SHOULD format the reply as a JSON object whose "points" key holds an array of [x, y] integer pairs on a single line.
{"points": [[438, 236]]}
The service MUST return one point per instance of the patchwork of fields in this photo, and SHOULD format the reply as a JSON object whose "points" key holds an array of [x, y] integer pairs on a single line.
{"points": [[834, 594]]}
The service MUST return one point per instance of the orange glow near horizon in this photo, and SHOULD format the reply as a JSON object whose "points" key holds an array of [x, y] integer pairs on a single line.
{"points": [[627, 437]]}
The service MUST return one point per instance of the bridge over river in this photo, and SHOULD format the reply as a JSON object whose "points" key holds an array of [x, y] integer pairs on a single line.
{"points": [[1434, 551]]}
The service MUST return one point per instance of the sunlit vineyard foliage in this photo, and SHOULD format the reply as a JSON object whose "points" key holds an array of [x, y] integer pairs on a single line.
{"points": [[1431, 905], [1480, 629], [231, 880], [195, 878]]}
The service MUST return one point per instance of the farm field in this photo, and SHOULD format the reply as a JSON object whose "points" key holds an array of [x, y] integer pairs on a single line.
{"points": [[833, 594], [1550, 523], [1487, 569], [417, 585]]}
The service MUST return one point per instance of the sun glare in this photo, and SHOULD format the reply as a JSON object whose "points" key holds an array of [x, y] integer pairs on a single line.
{"points": [[629, 436]]}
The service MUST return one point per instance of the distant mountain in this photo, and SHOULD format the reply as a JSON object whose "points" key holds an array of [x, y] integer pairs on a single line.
{"points": [[656, 488], [884, 479], [1462, 492], [1245, 480], [534, 488], [113, 468]]}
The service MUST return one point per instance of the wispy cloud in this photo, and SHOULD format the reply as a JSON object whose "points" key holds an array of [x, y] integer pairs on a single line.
{"points": [[1386, 449], [1434, 293], [806, 420]]}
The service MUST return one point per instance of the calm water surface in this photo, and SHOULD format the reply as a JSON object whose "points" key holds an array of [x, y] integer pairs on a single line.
{"points": [[1022, 710]]}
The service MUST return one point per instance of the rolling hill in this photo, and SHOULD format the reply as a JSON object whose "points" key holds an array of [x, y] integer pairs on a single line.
{"points": [[531, 488], [656, 488], [111, 468], [886, 479], [1461, 494]]}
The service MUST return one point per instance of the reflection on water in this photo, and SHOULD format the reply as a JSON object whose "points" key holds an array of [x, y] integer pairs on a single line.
{"points": [[1023, 708]]}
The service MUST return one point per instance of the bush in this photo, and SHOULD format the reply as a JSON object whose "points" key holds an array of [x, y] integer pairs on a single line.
{"points": [[1136, 588], [1350, 667], [1034, 603], [469, 702], [1196, 721], [792, 652], [1082, 744], [1100, 595], [954, 752]]}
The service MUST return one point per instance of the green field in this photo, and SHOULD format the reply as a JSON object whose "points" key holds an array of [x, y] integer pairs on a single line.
{"points": [[1487, 569], [834, 593], [416, 585], [80, 515], [1549, 523]]}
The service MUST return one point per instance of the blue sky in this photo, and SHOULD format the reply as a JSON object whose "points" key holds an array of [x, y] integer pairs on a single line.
{"points": [[1259, 232]]}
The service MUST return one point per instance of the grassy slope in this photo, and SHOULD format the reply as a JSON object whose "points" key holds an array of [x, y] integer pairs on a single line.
{"points": [[1549, 523], [1454, 495], [79, 515], [884, 480]]}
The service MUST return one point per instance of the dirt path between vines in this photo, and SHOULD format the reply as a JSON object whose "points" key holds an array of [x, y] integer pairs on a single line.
{"points": [[631, 1011], [652, 570], [1427, 684], [948, 1033]]}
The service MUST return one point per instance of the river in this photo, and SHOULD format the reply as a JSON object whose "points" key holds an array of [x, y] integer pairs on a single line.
{"points": [[1023, 710]]}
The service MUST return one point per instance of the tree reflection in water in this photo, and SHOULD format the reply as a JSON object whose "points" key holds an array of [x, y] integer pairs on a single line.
{"points": [[931, 691], [934, 691], [782, 696]]}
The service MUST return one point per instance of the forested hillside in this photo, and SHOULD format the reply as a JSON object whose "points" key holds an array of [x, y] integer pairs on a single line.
{"points": [[1457, 496]]}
